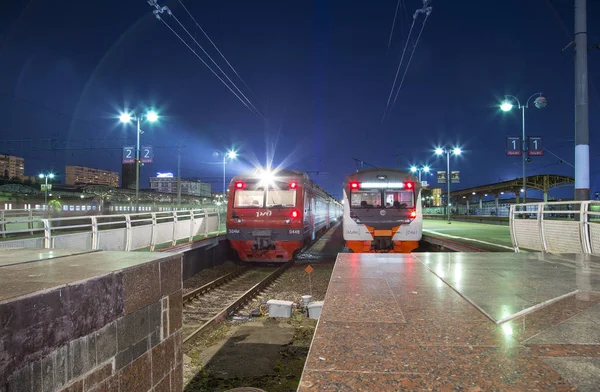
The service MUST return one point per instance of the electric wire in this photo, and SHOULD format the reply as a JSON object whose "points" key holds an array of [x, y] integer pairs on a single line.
{"points": [[215, 46], [393, 24], [204, 62], [410, 59], [397, 71], [217, 65]]}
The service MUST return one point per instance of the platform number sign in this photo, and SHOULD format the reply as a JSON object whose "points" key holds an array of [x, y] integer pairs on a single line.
{"points": [[534, 146], [513, 146], [146, 154], [128, 154]]}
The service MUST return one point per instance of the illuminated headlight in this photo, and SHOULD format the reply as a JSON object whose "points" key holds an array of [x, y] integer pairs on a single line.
{"points": [[288, 221], [239, 220]]}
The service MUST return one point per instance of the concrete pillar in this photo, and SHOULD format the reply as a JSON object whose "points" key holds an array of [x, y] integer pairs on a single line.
{"points": [[545, 196], [467, 206], [480, 202], [496, 198]]}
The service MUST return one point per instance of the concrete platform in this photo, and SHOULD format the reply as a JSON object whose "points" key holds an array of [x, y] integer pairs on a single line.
{"points": [[481, 236], [79, 320], [415, 322]]}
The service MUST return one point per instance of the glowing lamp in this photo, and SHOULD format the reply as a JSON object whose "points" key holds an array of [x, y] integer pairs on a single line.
{"points": [[354, 185]]}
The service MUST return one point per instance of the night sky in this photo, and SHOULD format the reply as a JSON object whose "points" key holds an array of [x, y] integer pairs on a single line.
{"points": [[320, 73]]}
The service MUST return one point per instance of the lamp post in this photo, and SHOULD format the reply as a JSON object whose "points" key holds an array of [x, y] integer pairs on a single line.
{"points": [[441, 151], [46, 176], [231, 154], [506, 106], [126, 118], [424, 169]]}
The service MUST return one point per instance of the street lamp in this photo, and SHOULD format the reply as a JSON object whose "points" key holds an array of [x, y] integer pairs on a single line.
{"points": [[231, 154], [441, 151], [425, 169], [46, 176], [126, 118], [540, 102]]}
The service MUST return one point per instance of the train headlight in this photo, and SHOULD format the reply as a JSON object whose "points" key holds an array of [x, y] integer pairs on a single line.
{"points": [[239, 220]]}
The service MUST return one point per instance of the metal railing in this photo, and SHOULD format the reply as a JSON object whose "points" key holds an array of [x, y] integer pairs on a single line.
{"points": [[556, 227], [127, 232]]}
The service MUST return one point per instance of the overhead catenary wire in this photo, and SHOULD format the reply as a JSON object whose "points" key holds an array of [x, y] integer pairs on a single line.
{"points": [[393, 23], [245, 101], [426, 10], [215, 46]]}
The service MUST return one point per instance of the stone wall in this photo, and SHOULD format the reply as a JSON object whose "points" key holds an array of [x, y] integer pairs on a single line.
{"points": [[120, 331]]}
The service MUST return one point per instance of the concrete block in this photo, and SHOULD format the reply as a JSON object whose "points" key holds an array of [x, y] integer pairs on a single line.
{"points": [[177, 378], [137, 376], [91, 345], [141, 286], [98, 376], [154, 322], [48, 373], [163, 385], [175, 311], [36, 375], [141, 327], [125, 332], [61, 367], [170, 275], [20, 381], [163, 358], [78, 357], [106, 342]]}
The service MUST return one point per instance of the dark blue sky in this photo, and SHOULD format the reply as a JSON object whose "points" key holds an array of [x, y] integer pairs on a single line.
{"points": [[319, 71]]}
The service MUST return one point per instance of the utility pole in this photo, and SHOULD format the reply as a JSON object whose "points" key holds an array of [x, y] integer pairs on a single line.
{"points": [[179, 177], [582, 130]]}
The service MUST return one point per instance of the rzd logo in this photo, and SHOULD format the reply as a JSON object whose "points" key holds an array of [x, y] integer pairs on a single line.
{"points": [[263, 213]]}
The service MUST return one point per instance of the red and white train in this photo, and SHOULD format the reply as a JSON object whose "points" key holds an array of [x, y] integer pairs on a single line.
{"points": [[271, 216]]}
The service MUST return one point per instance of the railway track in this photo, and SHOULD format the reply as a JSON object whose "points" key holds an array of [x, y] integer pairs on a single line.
{"points": [[215, 301]]}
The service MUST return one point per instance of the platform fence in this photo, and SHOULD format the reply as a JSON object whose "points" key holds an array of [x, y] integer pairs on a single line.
{"points": [[125, 232], [556, 227]]}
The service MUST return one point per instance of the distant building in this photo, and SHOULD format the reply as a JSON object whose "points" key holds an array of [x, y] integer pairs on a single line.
{"points": [[128, 176], [436, 193], [165, 184], [86, 175], [11, 166]]}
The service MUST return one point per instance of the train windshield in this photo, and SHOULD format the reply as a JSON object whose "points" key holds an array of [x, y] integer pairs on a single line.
{"points": [[251, 199], [371, 198], [399, 199], [281, 198]]}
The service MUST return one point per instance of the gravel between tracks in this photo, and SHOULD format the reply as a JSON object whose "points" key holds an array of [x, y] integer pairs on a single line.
{"points": [[208, 275]]}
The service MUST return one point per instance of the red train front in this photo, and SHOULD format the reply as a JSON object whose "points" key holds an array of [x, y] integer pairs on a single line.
{"points": [[271, 216]]}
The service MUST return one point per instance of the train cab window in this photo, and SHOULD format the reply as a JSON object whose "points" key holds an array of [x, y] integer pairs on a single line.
{"points": [[366, 199], [399, 199], [249, 199], [281, 198]]}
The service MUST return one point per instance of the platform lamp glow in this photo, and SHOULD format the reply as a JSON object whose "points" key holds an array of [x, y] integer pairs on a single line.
{"points": [[46, 176], [415, 169], [127, 117], [231, 154], [441, 151], [540, 102]]}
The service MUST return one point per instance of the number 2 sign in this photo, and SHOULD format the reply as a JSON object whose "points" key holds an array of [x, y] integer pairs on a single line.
{"points": [[146, 154], [128, 155]]}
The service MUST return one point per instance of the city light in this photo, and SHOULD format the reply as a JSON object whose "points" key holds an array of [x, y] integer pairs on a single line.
{"points": [[439, 151], [426, 169], [125, 117], [413, 169], [232, 154], [506, 106], [152, 116], [456, 151]]}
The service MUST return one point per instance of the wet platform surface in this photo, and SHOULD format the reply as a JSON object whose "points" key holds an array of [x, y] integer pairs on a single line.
{"points": [[415, 322], [487, 237], [26, 271]]}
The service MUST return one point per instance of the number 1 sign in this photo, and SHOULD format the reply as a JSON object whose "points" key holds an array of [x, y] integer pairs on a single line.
{"points": [[513, 146], [534, 146]]}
